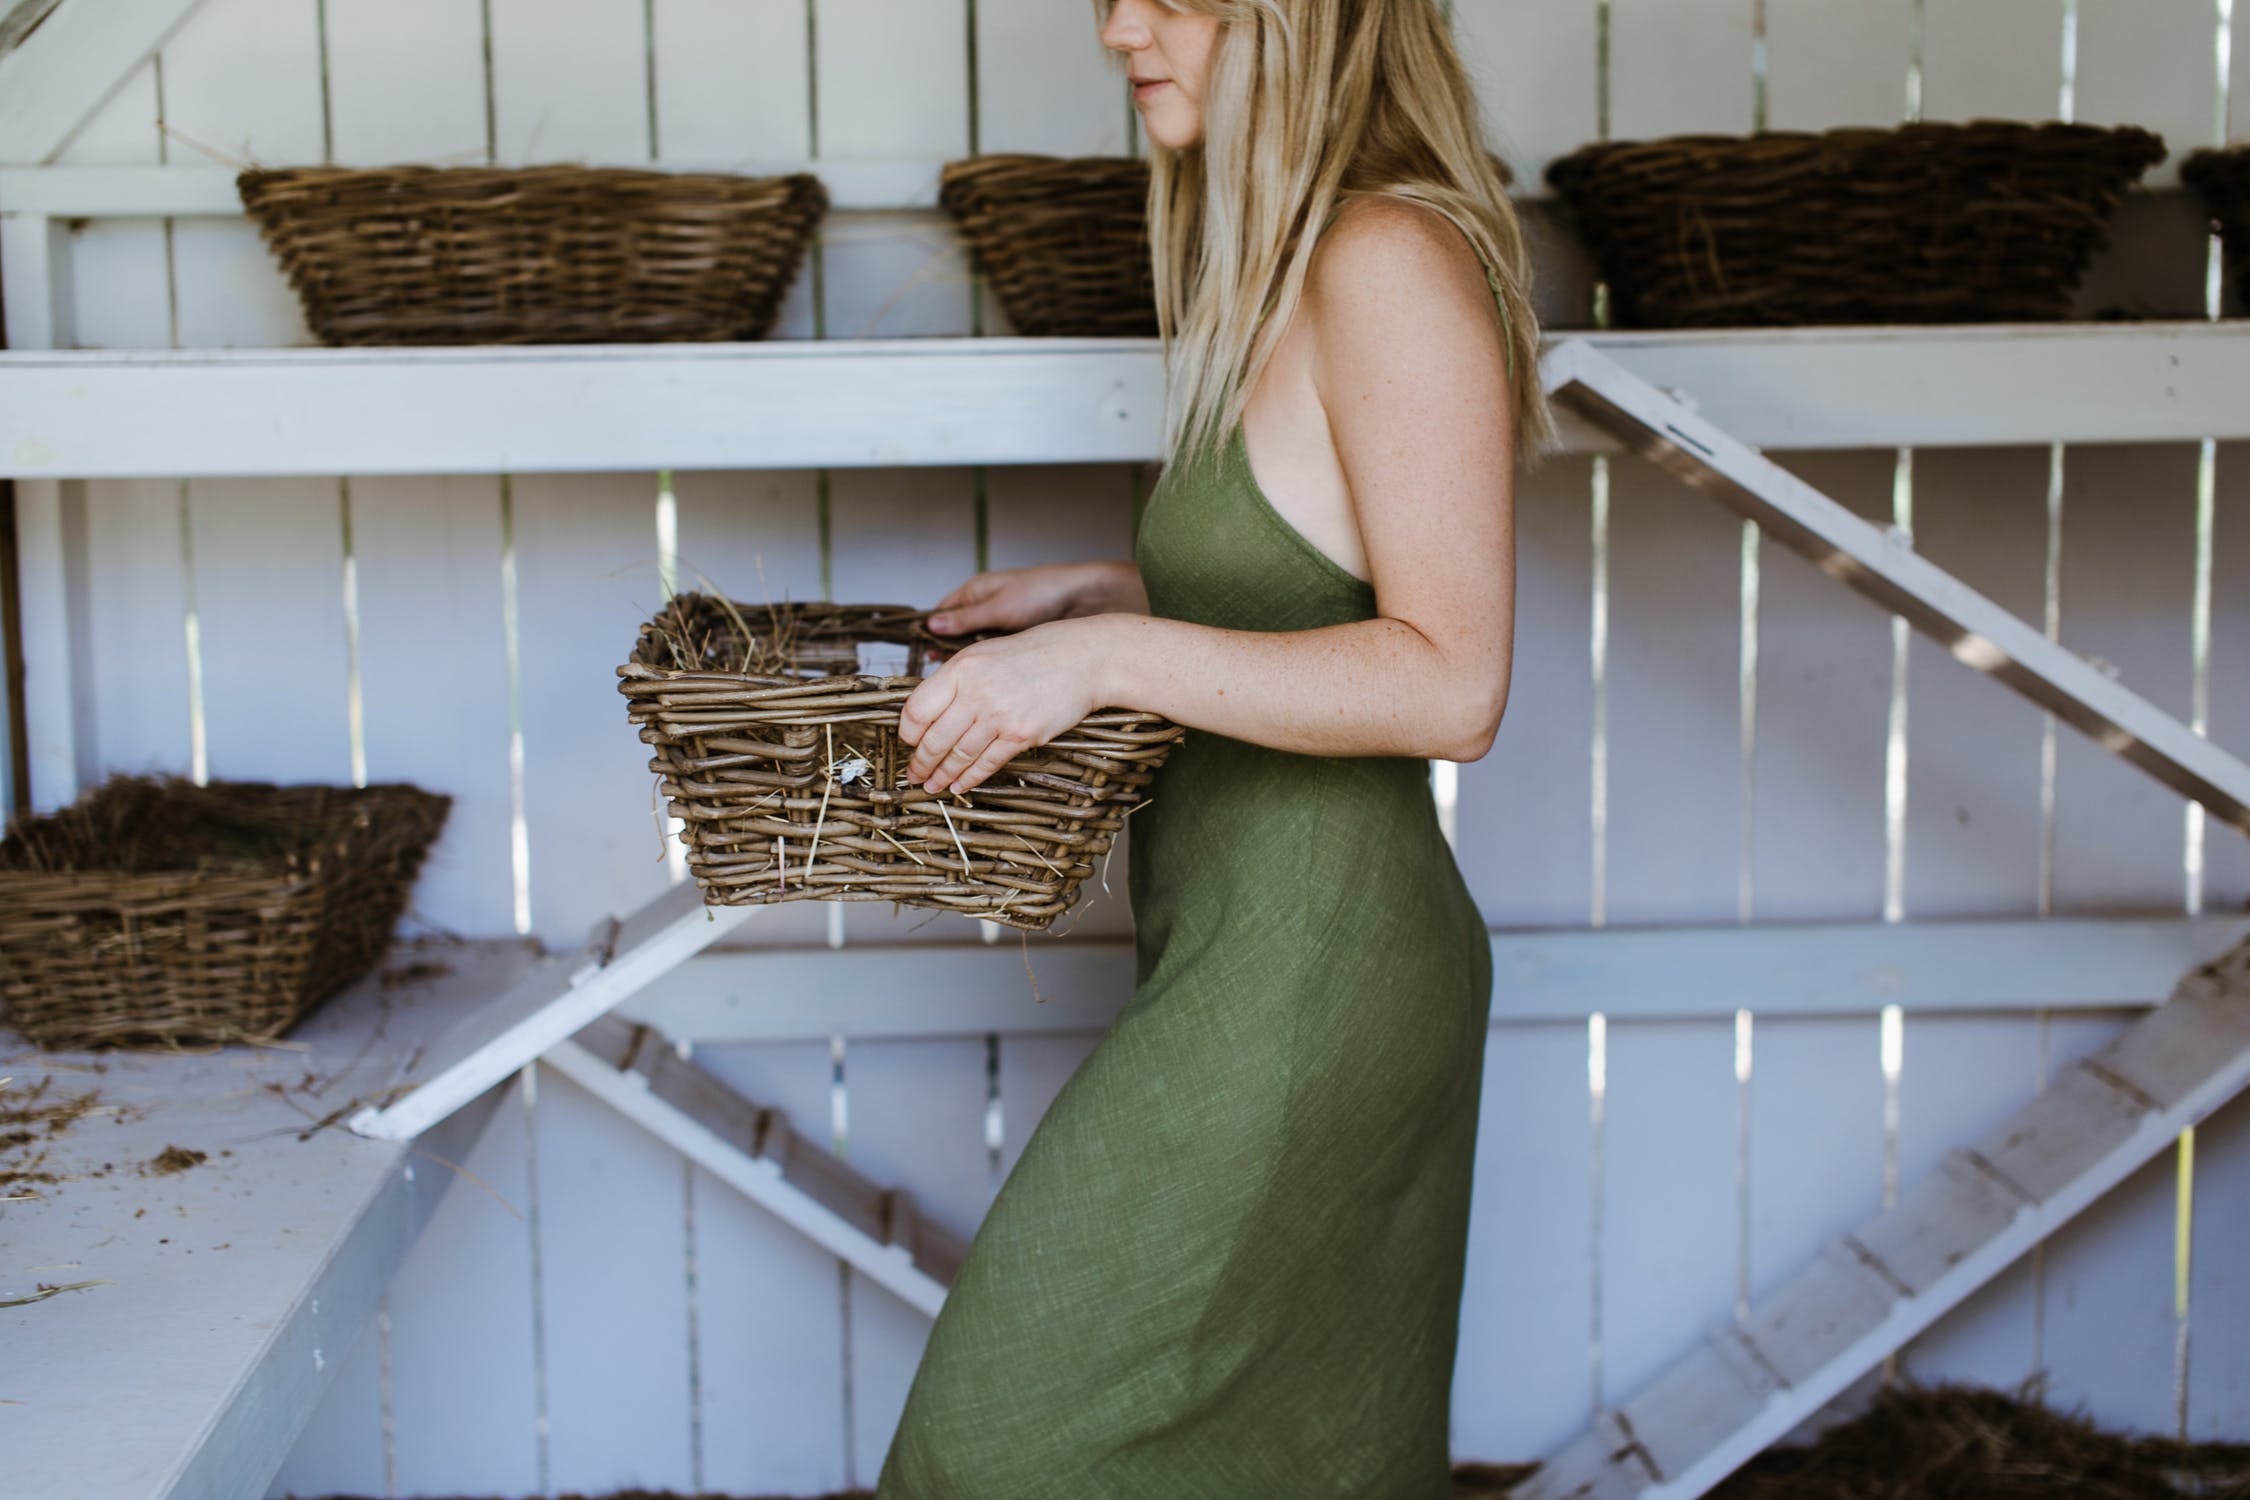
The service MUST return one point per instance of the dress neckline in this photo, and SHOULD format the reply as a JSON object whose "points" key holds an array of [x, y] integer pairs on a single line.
{"points": [[1236, 456]]}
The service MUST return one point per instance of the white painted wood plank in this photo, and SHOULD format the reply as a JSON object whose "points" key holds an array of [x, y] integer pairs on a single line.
{"points": [[1522, 1373], [47, 553], [269, 602], [960, 401], [120, 285], [2154, 65], [341, 1447], [1973, 819], [1033, 1069], [1669, 1240], [612, 1263], [1991, 59], [434, 680], [68, 68], [887, 1339], [1046, 83], [1810, 1081], [232, 293], [1677, 66], [2227, 872], [1673, 846], [770, 1350], [136, 627], [917, 1122], [123, 131], [1886, 571], [406, 81], [1524, 824], [294, 1238], [2218, 1383], [1809, 969], [1837, 64], [463, 1350], [568, 92], [894, 275], [586, 581], [2127, 598], [896, 84], [1823, 710], [732, 81], [242, 82], [1536, 77]]}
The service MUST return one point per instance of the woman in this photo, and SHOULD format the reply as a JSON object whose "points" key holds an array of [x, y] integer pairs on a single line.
{"points": [[1229, 1261]]}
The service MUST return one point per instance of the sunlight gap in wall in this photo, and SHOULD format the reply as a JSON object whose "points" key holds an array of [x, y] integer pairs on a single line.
{"points": [[528, 1075], [355, 703], [1597, 1093], [199, 740], [519, 824]]}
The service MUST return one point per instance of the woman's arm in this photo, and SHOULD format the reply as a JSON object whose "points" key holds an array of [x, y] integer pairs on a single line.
{"points": [[1410, 369], [1017, 598]]}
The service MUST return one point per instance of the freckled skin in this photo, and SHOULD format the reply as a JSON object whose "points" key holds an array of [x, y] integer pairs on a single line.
{"points": [[1397, 353]]}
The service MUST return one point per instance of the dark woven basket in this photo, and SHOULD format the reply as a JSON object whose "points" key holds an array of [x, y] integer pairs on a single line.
{"points": [[1063, 240], [2223, 178], [155, 913], [548, 255], [1989, 221], [782, 756]]}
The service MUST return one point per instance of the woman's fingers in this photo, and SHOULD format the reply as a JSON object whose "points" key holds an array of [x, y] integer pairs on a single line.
{"points": [[1002, 749], [938, 742], [923, 706]]}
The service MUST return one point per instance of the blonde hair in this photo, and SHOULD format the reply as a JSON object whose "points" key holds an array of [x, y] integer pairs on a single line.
{"points": [[1307, 102]]}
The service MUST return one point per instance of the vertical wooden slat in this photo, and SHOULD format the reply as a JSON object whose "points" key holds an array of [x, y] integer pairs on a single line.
{"points": [[136, 615], [1832, 64], [1973, 815], [731, 81], [2153, 64], [613, 1297], [269, 600], [1669, 1239], [1811, 1080], [887, 1340], [1678, 66], [1536, 76], [1521, 1373], [242, 81], [119, 282], [342, 1442], [570, 91], [434, 680], [1033, 1069], [2128, 573], [1998, 59], [586, 571], [1045, 82], [2218, 1386], [1823, 711], [406, 81], [1524, 835], [464, 1393], [2227, 878]]}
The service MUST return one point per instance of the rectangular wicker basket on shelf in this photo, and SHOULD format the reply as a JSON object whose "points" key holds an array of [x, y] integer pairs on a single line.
{"points": [[549, 254], [155, 913], [783, 759]]}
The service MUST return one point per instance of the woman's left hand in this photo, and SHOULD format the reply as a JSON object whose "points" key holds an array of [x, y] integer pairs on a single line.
{"points": [[991, 701]]}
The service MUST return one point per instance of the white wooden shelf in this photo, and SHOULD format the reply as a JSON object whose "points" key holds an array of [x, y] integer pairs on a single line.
{"points": [[898, 402]]}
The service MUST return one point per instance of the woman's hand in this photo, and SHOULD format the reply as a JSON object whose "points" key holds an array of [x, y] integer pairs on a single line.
{"points": [[1018, 598], [993, 700]]}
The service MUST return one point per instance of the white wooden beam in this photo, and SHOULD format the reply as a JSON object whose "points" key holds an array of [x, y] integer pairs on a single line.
{"points": [[845, 403], [18, 20], [72, 65], [1886, 569], [1802, 969], [635, 1070], [550, 1003], [1867, 1293]]}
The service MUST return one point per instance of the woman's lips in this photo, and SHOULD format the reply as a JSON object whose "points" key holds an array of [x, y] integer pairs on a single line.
{"points": [[1143, 90]]}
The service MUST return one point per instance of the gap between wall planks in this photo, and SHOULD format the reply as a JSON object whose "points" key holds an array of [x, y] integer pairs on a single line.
{"points": [[1518, 868]]}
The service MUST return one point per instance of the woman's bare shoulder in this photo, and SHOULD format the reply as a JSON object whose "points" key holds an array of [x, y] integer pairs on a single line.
{"points": [[1388, 253]]}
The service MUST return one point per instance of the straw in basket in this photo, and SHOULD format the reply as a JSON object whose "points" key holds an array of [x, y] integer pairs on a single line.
{"points": [[783, 759]]}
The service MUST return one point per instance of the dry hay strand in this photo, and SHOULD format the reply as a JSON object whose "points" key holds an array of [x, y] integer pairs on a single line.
{"points": [[30, 1117], [1964, 1442]]}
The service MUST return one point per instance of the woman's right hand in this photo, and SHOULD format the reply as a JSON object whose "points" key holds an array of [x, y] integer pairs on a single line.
{"points": [[1019, 598]]}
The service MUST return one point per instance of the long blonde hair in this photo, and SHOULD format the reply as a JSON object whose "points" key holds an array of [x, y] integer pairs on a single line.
{"points": [[1306, 102]]}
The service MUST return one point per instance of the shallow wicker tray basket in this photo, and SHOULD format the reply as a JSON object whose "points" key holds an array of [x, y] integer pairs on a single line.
{"points": [[547, 254], [1991, 220], [790, 776], [2223, 178], [1063, 239], [157, 913]]}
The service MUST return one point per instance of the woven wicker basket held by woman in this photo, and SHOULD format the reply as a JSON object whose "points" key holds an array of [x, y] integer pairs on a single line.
{"points": [[1229, 1261]]}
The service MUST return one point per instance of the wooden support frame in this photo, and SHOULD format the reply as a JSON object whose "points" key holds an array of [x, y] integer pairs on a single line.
{"points": [[1871, 1290], [1881, 566], [79, 57]]}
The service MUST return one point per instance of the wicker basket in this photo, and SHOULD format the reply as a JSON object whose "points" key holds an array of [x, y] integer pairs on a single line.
{"points": [[1063, 240], [549, 255], [2223, 178], [777, 741], [157, 913], [1993, 220]]}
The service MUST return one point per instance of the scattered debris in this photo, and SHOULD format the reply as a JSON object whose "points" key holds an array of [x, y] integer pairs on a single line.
{"points": [[47, 1289], [173, 1159], [421, 971], [30, 1117]]}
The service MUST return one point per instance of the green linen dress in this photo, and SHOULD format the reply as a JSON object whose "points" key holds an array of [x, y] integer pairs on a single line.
{"points": [[1229, 1261]]}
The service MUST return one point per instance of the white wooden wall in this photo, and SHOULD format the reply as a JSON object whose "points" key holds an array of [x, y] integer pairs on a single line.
{"points": [[621, 1318]]}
